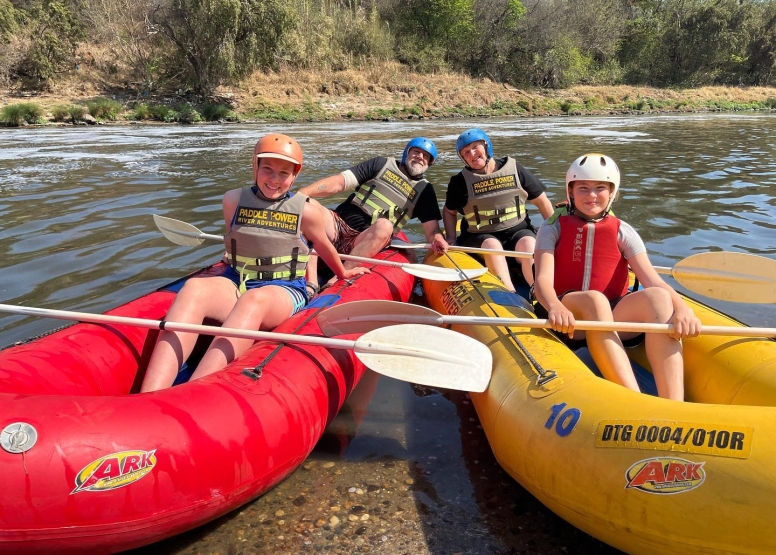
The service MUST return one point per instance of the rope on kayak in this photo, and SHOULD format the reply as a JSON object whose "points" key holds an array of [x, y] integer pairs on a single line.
{"points": [[544, 376]]}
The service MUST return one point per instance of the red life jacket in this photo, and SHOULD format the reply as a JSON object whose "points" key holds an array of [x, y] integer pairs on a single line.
{"points": [[588, 257]]}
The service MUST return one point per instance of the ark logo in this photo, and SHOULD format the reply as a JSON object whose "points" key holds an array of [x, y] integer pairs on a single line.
{"points": [[665, 475], [115, 471]]}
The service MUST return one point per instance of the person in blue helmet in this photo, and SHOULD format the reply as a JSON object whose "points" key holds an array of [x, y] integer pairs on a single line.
{"points": [[491, 194], [386, 194]]}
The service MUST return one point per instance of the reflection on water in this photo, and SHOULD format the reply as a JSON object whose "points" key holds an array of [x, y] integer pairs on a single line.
{"points": [[76, 234]]}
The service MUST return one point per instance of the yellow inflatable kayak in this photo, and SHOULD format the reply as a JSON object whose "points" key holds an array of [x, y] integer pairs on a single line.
{"points": [[643, 474]]}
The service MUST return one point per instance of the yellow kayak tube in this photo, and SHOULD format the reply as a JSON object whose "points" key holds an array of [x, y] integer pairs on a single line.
{"points": [[643, 474]]}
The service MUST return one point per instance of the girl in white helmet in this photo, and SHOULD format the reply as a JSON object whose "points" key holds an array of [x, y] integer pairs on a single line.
{"points": [[582, 257]]}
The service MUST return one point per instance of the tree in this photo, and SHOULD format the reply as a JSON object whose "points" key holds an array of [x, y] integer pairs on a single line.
{"points": [[761, 50], [13, 46], [432, 32], [496, 52], [54, 31], [8, 25], [223, 39]]}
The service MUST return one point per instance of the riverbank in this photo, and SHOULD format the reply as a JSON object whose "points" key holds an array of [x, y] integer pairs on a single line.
{"points": [[377, 485], [383, 92]]}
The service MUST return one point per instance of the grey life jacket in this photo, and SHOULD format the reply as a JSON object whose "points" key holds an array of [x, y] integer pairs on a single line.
{"points": [[496, 200], [265, 241], [390, 195]]}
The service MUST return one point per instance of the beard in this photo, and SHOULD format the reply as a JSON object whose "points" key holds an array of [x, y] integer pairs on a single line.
{"points": [[415, 168]]}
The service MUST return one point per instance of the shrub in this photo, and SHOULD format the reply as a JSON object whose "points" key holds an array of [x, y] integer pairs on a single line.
{"points": [[15, 115], [60, 113], [161, 112], [76, 112], [104, 108], [142, 111], [187, 114], [216, 112], [170, 116]]}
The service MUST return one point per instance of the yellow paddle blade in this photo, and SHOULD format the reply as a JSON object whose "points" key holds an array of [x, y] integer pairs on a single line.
{"points": [[729, 276]]}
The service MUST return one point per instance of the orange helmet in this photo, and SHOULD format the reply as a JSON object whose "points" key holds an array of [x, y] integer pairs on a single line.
{"points": [[276, 145]]}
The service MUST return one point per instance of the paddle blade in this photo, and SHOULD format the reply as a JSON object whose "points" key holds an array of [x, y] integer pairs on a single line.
{"points": [[428, 356], [396, 244], [435, 273], [729, 276], [365, 316], [179, 232]]}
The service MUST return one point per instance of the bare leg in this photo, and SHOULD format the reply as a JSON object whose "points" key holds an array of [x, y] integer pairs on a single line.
{"points": [[605, 346], [369, 242], [200, 298], [311, 275], [526, 244], [257, 309], [498, 264], [653, 305], [331, 231]]}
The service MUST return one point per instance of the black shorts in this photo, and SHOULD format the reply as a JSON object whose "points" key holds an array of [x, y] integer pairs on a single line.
{"points": [[575, 344], [508, 237]]}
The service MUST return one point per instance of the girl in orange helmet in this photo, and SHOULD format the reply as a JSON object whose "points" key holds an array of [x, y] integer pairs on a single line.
{"points": [[268, 232]]}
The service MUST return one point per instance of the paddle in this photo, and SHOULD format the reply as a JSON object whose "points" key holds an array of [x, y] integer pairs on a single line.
{"points": [[419, 354], [362, 316], [727, 276], [185, 234]]}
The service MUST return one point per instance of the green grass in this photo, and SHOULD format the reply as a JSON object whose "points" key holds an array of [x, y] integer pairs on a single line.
{"points": [[14, 115], [141, 112], [104, 108], [76, 112], [217, 112], [60, 113]]}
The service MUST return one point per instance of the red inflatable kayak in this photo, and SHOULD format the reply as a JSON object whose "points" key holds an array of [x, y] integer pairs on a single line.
{"points": [[88, 466]]}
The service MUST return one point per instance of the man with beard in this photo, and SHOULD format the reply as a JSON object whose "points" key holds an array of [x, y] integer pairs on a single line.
{"points": [[386, 195]]}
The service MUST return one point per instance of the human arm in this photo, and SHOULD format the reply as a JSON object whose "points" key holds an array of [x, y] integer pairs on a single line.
{"points": [[684, 320], [561, 318], [450, 219], [427, 211], [434, 236], [229, 204], [325, 187], [314, 229], [347, 180], [456, 198], [536, 191], [544, 205]]}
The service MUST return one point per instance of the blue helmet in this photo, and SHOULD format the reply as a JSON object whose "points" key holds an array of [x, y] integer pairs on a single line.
{"points": [[472, 135], [422, 143]]}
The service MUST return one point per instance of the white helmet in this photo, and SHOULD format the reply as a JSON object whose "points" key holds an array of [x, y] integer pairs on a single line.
{"points": [[594, 167]]}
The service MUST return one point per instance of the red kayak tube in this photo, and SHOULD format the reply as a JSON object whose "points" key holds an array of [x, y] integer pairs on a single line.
{"points": [[90, 466]]}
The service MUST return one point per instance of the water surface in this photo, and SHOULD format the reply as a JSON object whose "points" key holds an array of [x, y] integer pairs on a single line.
{"points": [[76, 233]]}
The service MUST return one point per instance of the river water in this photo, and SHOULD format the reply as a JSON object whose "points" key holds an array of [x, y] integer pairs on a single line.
{"points": [[76, 233]]}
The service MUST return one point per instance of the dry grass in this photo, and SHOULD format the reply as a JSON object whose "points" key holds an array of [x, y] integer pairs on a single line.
{"points": [[391, 85], [391, 89]]}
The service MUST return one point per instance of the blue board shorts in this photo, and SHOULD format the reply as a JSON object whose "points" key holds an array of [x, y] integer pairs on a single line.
{"points": [[295, 288]]}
